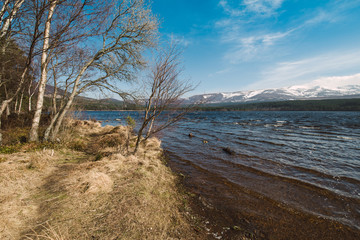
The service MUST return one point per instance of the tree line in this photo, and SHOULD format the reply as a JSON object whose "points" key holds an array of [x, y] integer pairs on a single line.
{"points": [[352, 104], [77, 46]]}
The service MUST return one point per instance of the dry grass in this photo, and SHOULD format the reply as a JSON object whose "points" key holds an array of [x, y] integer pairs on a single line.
{"points": [[120, 196], [20, 176], [49, 233]]}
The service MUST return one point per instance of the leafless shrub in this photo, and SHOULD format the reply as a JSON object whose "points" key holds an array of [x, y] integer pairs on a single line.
{"points": [[166, 86]]}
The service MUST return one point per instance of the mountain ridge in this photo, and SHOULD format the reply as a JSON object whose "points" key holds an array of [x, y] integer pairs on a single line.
{"points": [[280, 94]]}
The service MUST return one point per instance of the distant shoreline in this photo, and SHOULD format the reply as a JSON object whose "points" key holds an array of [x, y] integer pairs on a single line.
{"points": [[352, 104], [112, 110]]}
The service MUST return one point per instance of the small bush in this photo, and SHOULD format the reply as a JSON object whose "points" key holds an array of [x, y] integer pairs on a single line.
{"points": [[78, 145], [112, 140], [7, 149], [130, 122], [15, 135]]}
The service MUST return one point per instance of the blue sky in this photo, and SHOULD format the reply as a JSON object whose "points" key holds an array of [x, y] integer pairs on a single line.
{"points": [[234, 45]]}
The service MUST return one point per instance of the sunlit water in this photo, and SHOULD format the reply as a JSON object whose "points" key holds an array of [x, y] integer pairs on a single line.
{"points": [[303, 162]]}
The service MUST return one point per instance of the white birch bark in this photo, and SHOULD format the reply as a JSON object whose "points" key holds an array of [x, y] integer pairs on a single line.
{"points": [[20, 104], [3, 9], [43, 79], [5, 26], [16, 103]]}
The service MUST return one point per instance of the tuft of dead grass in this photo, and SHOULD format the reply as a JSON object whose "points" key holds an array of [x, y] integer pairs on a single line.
{"points": [[49, 233]]}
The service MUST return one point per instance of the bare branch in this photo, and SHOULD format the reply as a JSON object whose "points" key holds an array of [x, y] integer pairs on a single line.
{"points": [[166, 86]]}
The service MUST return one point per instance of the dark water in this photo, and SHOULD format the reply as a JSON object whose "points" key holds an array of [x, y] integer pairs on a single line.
{"points": [[287, 171]]}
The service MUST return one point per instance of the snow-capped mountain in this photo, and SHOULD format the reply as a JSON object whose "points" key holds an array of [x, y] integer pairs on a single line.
{"points": [[300, 92]]}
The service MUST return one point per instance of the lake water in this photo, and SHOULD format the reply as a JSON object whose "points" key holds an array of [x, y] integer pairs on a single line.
{"points": [[293, 175]]}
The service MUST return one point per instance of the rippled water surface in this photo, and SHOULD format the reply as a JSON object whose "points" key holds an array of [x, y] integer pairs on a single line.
{"points": [[284, 168]]}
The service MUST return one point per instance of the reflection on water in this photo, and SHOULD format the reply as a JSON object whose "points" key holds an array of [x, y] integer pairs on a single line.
{"points": [[285, 167]]}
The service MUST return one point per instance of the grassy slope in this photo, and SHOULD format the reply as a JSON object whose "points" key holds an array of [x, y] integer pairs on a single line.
{"points": [[89, 187]]}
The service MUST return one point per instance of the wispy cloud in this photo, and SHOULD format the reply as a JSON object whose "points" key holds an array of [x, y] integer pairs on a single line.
{"points": [[220, 72], [180, 40], [265, 7], [228, 9], [321, 16], [259, 7], [247, 48], [302, 71], [245, 45], [250, 39]]}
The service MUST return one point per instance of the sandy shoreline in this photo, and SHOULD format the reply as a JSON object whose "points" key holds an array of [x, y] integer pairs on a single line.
{"points": [[222, 204]]}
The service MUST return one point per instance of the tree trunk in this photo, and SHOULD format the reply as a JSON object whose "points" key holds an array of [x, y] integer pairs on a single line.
{"points": [[30, 99], [3, 9], [61, 118], [50, 127], [20, 104], [3, 106], [139, 138], [7, 110], [5, 27], [150, 127], [74, 92], [7, 105], [16, 103], [54, 110], [43, 79], [151, 122]]}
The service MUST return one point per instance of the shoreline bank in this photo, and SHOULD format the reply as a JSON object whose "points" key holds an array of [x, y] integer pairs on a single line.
{"points": [[92, 188]]}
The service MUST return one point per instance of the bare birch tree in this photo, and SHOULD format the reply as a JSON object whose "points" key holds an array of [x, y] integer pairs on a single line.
{"points": [[166, 87], [33, 136], [8, 12], [9, 15], [130, 30], [68, 23], [97, 43]]}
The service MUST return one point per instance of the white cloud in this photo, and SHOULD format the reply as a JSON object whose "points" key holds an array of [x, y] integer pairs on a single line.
{"points": [[264, 7], [248, 48], [302, 71], [334, 82], [321, 16], [250, 40], [180, 40], [259, 7]]}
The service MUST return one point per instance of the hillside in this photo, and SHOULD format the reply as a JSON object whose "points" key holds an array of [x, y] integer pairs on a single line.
{"points": [[108, 104]]}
